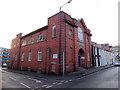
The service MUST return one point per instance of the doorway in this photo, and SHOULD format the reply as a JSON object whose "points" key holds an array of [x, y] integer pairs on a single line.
{"points": [[80, 57]]}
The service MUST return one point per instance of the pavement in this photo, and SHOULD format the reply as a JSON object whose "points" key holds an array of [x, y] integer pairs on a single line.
{"points": [[72, 75]]}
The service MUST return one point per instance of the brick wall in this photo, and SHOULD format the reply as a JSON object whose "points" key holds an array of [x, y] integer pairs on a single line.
{"points": [[63, 42]]}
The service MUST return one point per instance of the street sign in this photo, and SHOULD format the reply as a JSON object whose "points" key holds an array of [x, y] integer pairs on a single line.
{"points": [[55, 56], [82, 57]]}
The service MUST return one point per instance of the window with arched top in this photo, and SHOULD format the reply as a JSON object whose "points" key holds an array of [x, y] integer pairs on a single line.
{"points": [[53, 31], [41, 37], [80, 34], [31, 40], [70, 32], [24, 43]]}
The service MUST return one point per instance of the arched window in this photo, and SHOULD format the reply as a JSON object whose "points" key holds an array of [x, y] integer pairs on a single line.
{"points": [[53, 31], [70, 32], [80, 34], [41, 37], [31, 40], [24, 43]]}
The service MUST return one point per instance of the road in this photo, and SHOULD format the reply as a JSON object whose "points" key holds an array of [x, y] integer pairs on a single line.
{"points": [[107, 78], [104, 79]]}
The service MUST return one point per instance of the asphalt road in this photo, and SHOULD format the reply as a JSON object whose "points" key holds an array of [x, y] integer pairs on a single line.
{"points": [[107, 78]]}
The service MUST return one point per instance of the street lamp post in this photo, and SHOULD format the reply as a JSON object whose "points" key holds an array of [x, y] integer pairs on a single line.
{"points": [[65, 4], [63, 53]]}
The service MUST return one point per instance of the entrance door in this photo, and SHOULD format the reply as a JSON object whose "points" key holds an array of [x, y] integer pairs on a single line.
{"points": [[79, 61]]}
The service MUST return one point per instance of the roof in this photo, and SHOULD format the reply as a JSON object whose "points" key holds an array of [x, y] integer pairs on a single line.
{"points": [[36, 31], [59, 13]]}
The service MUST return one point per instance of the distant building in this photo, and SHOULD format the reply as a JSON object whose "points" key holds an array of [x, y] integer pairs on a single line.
{"points": [[116, 50], [61, 46], [106, 46], [101, 54], [4, 55]]}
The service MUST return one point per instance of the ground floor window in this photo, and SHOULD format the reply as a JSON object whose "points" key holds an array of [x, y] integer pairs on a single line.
{"points": [[23, 56], [30, 56], [39, 55]]}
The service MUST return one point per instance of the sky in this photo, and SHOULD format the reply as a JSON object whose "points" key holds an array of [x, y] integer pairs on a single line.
{"points": [[100, 16]]}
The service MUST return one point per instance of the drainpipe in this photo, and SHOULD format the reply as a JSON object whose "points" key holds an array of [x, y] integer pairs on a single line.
{"points": [[60, 37], [59, 46], [74, 49], [65, 47], [63, 63], [48, 53]]}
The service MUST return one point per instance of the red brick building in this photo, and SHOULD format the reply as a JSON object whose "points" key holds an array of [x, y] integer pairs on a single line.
{"points": [[61, 46]]}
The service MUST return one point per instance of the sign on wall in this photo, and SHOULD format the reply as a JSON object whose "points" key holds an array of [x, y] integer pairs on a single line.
{"points": [[55, 56], [82, 57]]}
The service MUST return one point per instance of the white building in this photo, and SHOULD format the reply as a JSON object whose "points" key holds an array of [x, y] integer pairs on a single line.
{"points": [[101, 56]]}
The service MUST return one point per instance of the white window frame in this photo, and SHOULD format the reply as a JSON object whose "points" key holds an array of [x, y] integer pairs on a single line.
{"points": [[80, 34], [39, 55], [31, 40], [24, 43], [22, 58], [30, 56], [53, 31], [41, 37], [95, 50]]}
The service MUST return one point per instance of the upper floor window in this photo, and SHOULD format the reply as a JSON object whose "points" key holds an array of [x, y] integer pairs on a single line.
{"points": [[30, 56], [41, 37], [70, 32], [14, 46], [80, 34], [53, 31], [39, 55], [24, 43], [31, 40]]}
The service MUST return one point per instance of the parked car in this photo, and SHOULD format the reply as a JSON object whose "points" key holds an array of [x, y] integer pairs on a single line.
{"points": [[4, 65], [117, 64]]}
